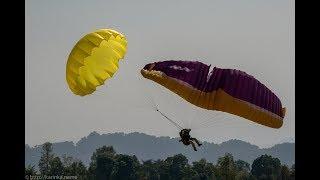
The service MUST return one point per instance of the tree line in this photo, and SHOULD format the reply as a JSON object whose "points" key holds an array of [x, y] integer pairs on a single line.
{"points": [[106, 164]]}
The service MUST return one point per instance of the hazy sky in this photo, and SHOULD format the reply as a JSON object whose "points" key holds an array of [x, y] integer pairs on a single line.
{"points": [[253, 36]]}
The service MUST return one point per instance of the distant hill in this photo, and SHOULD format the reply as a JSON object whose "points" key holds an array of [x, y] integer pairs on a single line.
{"points": [[150, 147]]}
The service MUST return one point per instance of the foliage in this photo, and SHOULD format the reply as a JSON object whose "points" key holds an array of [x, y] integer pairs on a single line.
{"points": [[46, 158], [107, 164], [30, 171], [266, 167]]}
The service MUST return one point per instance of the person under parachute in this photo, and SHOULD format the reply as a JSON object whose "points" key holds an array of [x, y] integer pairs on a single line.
{"points": [[186, 139]]}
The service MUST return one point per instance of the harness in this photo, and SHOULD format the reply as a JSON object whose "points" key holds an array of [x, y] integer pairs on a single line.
{"points": [[185, 136]]}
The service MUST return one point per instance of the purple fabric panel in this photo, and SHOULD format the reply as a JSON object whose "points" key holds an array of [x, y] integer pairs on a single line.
{"points": [[234, 82], [277, 107], [205, 70], [272, 103]]}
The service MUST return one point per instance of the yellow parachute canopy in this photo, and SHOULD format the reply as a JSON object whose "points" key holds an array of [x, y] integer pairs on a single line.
{"points": [[94, 59]]}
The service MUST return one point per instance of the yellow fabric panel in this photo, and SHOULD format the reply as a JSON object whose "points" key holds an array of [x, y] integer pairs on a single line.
{"points": [[94, 38], [246, 110], [207, 100], [85, 46], [195, 97], [212, 99], [190, 96], [217, 100], [94, 59]]}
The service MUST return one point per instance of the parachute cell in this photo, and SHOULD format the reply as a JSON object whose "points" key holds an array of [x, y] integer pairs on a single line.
{"points": [[94, 59], [226, 90]]}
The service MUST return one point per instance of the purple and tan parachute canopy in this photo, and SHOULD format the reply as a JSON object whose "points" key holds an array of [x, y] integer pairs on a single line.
{"points": [[226, 90]]}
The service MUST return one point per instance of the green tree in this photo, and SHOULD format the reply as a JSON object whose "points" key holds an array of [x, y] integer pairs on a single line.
{"points": [[242, 175], [104, 167], [67, 160], [104, 150], [293, 172], [226, 167], [30, 170], [266, 167], [176, 166], [189, 173], [56, 167], [285, 173], [163, 169], [242, 170], [242, 166], [204, 169], [125, 167], [75, 168], [149, 170], [102, 162], [45, 159]]}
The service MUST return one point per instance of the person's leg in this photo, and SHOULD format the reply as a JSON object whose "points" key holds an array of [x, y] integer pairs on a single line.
{"points": [[194, 146], [196, 140]]}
